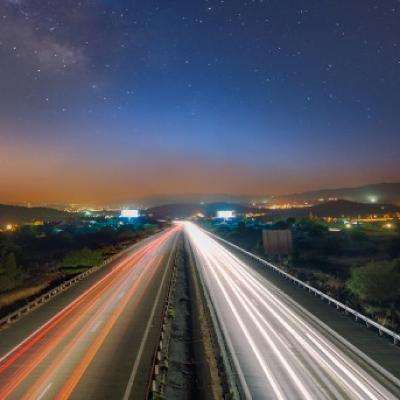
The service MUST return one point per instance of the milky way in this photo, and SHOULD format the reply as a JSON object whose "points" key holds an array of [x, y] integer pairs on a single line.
{"points": [[108, 100]]}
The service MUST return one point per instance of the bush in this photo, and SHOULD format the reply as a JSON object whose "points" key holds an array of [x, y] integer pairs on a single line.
{"points": [[10, 272], [376, 282], [82, 258]]}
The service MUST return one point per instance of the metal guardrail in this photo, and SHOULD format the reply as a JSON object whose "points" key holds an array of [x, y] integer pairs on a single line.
{"points": [[340, 306], [159, 363], [237, 391], [44, 298]]}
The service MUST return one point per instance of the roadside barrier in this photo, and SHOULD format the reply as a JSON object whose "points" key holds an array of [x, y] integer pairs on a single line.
{"points": [[340, 306], [159, 365], [237, 388], [44, 298]]}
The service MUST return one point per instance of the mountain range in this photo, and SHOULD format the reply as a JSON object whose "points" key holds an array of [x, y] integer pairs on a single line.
{"points": [[376, 193], [19, 215], [373, 193]]}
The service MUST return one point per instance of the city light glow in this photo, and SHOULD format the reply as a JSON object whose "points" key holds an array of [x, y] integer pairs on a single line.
{"points": [[372, 199]]}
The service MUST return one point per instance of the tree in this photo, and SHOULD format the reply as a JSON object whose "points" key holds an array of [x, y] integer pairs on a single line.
{"points": [[10, 272], [312, 228], [394, 246], [376, 282]]}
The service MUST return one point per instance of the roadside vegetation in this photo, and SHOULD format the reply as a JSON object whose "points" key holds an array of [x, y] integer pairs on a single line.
{"points": [[359, 266], [35, 258]]}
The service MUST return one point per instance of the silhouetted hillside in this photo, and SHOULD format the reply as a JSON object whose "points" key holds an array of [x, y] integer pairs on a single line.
{"points": [[187, 210], [337, 209], [174, 210], [19, 215], [380, 193], [351, 209]]}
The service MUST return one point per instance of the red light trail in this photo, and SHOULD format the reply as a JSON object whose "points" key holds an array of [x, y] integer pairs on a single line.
{"points": [[53, 359]]}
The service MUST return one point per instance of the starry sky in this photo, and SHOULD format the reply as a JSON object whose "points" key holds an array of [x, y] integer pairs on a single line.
{"points": [[112, 100]]}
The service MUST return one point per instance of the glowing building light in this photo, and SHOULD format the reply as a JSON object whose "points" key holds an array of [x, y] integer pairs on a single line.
{"points": [[129, 214], [226, 214]]}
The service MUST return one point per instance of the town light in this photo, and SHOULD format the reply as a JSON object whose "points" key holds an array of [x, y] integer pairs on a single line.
{"points": [[129, 214], [226, 214]]}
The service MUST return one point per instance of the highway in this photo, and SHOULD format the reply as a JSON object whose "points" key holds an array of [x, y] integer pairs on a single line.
{"points": [[279, 350], [93, 342]]}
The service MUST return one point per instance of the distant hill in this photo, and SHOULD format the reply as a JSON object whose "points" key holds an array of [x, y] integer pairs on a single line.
{"points": [[185, 210], [184, 199], [351, 209], [337, 209], [379, 193], [329, 208], [20, 215], [174, 211]]}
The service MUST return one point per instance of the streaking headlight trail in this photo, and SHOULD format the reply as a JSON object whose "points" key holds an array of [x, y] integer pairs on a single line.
{"points": [[281, 353]]}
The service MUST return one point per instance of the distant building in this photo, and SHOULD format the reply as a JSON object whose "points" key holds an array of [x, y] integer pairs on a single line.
{"points": [[129, 214], [225, 214], [277, 242]]}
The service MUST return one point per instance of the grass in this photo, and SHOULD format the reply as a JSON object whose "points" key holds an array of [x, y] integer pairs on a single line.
{"points": [[171, 313], [15, 295], [73, 271]]}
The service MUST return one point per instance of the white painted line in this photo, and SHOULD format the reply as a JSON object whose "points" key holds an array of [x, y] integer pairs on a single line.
{"points": [[42, 394], [96, 325]]}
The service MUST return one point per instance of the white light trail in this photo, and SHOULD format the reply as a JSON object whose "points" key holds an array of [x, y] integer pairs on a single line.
{"points": [[283, 353]]}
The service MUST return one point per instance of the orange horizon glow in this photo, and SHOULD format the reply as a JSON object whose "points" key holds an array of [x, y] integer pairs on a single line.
{"points": [[56, 173]]}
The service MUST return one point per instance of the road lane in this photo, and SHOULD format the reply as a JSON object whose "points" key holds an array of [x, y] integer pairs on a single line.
{"points": [[58, 360], [282, 353]]}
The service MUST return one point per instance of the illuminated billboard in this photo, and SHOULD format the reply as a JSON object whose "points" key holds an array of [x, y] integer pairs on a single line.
{"points": [[129, 214], [225, 214]]}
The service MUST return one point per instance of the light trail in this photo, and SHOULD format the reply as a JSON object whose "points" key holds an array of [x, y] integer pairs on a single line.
{"points": [[282, 353], [22, 347], [51, 361]]}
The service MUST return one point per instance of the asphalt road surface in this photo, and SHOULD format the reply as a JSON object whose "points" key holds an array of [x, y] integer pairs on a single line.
{"points": [[96, 340], [280, 350]]}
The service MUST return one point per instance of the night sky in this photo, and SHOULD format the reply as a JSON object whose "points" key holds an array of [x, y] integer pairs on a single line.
{"points": [[109, 100]]}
